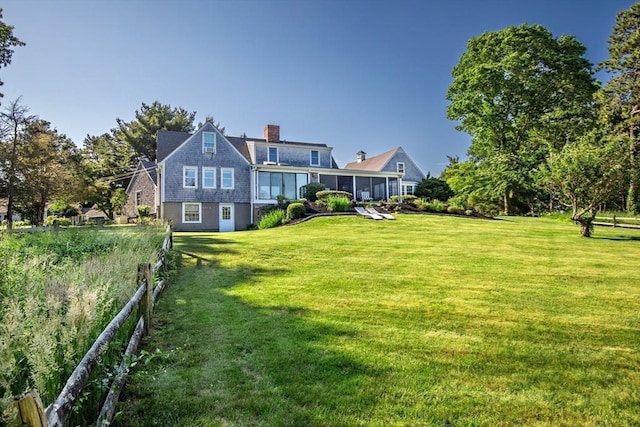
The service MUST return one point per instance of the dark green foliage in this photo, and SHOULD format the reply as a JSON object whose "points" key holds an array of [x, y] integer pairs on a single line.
{"points": [[63, 209], [309, 191], [7, 41], [295, 210], [434, 189]]}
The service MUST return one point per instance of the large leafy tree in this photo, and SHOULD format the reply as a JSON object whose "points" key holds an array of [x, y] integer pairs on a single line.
{"points": [[46, 168], [141, 132], [107, 166], [7, 42], [621, 95], [584, 174], [519, 93]]}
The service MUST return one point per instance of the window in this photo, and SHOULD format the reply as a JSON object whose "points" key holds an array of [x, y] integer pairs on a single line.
{"points": [[226, 178], [315, 158], [208, 142], [208, 177], [273, 154], [191, 212], [400, 167], [189, 177], [226, 213], [138, 198], [273, 184], [408, 189]]}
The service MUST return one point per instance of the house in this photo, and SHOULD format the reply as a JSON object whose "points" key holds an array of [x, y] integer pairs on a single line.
{"points": [[395, 160], [142, 189], [4, 205], [208, 181]]}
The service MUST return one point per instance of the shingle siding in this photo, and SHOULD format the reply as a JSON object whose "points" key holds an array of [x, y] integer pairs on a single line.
{"points": [[294, 156], [411, 172], [190, 154], [142, 183]]}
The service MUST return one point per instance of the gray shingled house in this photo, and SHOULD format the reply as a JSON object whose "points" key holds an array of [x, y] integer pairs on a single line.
{"points": [[209, 181], [142, 189]]}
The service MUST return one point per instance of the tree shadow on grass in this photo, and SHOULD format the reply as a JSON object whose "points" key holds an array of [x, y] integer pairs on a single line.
{"points": [[228, 360], [618, 238]]}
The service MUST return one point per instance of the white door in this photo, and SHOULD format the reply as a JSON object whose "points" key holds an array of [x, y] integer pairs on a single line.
{"points": [[226, 217]]}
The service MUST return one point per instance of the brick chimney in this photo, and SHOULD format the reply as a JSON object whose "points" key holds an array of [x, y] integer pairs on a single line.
{"points": [[272, 133], [360, 156]]}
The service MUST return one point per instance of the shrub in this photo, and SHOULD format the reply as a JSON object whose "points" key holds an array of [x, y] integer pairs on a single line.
{"points": [[59, 220], [310, 190], [327, 194], [272, 219], [60, 209], [455, 210], [295, 210], [338, 204], [407, 198], [143, 210]]}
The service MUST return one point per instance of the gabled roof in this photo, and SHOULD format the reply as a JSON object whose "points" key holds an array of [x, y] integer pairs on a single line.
{"points": [[375, 163], [145, 167], [150, 167], [240, 144], [167, 141]]}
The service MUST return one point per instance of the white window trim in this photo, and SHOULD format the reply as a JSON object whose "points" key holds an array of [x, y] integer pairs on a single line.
{"points": [[311, 158], [277, 155], [398, 167], [184, 221], [215, 142], [184, 175], [222, 171], [208, 169]]}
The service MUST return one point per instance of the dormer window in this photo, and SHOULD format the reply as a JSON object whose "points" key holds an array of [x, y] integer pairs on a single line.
{"points": [[400, 167], [315, 158], [273, 155], [208, 142]]}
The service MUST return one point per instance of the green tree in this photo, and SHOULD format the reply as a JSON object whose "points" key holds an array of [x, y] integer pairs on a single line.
{"points": [[621, 95], [434, 188], [13, 122], [7, 42], [45, 167], [141, 132], [584, 174], [510, 85], [107, 166]]}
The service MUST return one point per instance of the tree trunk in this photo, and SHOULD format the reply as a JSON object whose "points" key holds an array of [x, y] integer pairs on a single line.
{"points": [[586, 225], [505, 199], [632, 196]]}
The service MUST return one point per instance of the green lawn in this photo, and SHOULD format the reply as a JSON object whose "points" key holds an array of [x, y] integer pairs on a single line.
{"points": [[426, 320]]}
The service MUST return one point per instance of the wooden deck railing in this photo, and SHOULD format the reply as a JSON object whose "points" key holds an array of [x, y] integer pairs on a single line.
{"points": [[29, 408]]}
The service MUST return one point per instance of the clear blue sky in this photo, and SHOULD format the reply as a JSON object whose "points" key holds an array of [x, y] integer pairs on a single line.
{"points": [[352, 74]]}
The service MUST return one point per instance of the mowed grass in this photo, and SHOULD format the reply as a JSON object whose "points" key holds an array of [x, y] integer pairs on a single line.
{"points": [[426, 320]]}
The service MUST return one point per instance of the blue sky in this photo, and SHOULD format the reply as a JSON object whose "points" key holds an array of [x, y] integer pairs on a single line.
{"points": [[352, 74]]}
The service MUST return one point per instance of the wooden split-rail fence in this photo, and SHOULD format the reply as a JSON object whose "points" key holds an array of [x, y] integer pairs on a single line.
{"points": [[29, 409], [614, 221]]}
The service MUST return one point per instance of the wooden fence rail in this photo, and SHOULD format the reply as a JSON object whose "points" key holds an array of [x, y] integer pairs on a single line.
{"points": [[29, 408], [614, 221]]}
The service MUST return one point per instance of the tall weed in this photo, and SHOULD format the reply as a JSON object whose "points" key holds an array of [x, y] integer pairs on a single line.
{"points": [[57, 293]]}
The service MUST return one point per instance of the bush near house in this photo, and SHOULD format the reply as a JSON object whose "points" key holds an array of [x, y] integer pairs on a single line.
{"points": [[338, 204], [272, 219], [326, 194], [310, 191], [295, 211]]}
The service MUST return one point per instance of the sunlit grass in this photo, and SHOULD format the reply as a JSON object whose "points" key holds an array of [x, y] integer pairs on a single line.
{"points": [[426, 320]]}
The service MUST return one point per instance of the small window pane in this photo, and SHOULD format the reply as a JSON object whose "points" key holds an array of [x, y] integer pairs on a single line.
{"points": [[315, 158], [209, 142], [209, 178], [189, 177], [273, 154], [227, 178], [226, 213], [191, 212]]}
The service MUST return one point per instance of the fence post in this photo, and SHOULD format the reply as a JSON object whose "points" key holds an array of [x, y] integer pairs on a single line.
{"points": [[146, 305], [614, 221], [29, 411]]}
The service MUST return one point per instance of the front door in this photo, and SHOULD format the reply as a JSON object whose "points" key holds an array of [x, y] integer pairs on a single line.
{"points": [[226, 216]]}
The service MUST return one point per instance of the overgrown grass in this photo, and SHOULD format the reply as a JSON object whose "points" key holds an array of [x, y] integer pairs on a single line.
{"points": [[272, 219], [57, 292], [426, 320]]}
